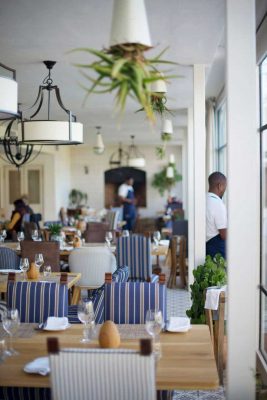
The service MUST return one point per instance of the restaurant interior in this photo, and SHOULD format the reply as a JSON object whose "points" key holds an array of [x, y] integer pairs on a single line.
{"points": [[113, 114]]}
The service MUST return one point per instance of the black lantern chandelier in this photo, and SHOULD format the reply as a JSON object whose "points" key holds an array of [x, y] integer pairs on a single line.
{"points": [[119, 157], [48, 131]]}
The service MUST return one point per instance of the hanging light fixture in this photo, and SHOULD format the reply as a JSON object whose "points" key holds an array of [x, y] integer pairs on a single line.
{"points": [[99, 148], [119, 157], [135, 159], [14, 152], [8, 93], [46, 130]]}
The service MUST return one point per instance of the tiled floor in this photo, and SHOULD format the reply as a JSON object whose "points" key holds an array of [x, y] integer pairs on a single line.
{"points": [[178, 301]]}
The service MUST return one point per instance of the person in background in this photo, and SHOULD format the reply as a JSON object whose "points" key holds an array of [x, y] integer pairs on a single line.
{"points": [[15, 224], [216, 216], [25, 199], [126, 195]]}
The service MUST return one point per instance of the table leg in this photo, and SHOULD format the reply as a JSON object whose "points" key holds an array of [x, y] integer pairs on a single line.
{"points": [[76, 295]]}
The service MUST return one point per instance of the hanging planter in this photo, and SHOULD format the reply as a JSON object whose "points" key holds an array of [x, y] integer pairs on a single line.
{"points": [[166, 179], [166, 136], [123, 67]]}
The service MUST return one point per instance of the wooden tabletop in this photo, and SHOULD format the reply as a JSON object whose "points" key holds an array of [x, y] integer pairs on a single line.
{"points": [[73, 278], [187, 358]]}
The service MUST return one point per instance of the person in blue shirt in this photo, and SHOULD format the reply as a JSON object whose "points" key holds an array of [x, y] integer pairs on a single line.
{"points": [[126, 195]]}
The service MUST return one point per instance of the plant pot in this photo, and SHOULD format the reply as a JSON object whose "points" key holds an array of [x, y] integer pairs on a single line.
{"points": [[167, 126], [129, 23]]}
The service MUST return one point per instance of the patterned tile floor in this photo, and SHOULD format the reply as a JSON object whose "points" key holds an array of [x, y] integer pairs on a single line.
{"points": [[178, 301]]}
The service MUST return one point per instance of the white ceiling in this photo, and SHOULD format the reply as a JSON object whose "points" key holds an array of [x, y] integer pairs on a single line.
{"points": [[36, 30]]}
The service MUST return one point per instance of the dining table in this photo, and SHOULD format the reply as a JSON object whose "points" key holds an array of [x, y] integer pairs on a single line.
{"points": [[187, 360]]}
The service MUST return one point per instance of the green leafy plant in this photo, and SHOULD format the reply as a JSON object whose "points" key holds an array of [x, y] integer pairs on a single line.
{"points": [[124, 69], [162, 182], [55, 229], [76, 197], [211, 273]]}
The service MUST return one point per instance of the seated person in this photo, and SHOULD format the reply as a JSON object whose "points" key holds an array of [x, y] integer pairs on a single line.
{"points": [[15, 224]]}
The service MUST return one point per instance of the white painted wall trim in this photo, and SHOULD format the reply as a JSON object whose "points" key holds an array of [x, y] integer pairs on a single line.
{"points": [[190, 196], [243, 204]]}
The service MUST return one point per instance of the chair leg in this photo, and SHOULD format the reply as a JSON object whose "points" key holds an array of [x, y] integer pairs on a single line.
{"points": [[76, 295]]}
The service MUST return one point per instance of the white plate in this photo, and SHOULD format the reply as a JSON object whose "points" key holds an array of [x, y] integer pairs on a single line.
{"points": [[59, 328], [6, 271]]}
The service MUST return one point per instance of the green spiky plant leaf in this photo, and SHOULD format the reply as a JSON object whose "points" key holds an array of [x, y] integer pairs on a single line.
{"points": [[162, 183]]}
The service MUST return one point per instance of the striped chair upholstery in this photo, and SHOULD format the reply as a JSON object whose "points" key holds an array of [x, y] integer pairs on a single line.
{"points": [[102, 374], [135, 251], [127, 303], [25, 393], [97, 296], [8, 259], [36, 301], [3, 309]]}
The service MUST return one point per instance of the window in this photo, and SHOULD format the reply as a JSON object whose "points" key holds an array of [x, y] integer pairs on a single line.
{"points": [[263, 144], [221, 139]]}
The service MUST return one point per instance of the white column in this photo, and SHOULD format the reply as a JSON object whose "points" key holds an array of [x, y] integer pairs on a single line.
{"points": [[190, 196], [199, 165], [243, 198]]}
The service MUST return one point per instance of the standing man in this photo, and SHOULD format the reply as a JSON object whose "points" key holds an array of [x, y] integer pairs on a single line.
{"points": [[126, 195], [216, 216]]}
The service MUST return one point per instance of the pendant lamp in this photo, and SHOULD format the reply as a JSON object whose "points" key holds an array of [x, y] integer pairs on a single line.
{"points": [[47, 131], [135, 159], [99, 148]]}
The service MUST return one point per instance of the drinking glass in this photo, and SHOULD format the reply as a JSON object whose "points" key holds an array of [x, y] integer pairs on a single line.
{"points": [[156, 238], [2, 235], [24, 266], [35, 235], [3, 350], [125, 233], [38, 260], [87, 316], [154, 324], [11, 321], [109, 238], [20, 238], [47, 271]]}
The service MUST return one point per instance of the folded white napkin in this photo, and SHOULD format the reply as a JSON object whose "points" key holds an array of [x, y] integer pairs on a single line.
{"points": [[179, 324], [212, 297], [56, 323], [6, 271], [68, 248], [164, 242], [38, 366]]}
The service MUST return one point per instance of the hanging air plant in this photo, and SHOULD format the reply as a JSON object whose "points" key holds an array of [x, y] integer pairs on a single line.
{"points": [[162, 182], [123, 69]]}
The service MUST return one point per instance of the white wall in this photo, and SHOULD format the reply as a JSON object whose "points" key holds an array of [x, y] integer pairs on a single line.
{"points": [[93, 182]]}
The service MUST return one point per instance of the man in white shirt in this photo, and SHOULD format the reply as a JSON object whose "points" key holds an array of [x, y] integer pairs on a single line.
{"points": [[126, 195], [216, 216]]}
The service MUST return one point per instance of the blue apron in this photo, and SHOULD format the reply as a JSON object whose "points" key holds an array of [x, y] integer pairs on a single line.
{"points": [[129, 212], [215, 245]]}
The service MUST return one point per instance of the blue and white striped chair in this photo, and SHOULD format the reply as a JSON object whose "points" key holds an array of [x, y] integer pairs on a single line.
{"points": [[8, 259], [25, 393], [127, 303], [108, 374], [36, 301], [135, 251], [97, 296]]}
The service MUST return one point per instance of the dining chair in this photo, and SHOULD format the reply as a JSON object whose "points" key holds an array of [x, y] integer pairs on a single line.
{"points": [[50, 251], [97, 296], [110, 374], [95, 232], [128, 302], [112, 218], [36, 301], [216, 321], [8, 258], [178, 261], [135, 251], [92, 262]]}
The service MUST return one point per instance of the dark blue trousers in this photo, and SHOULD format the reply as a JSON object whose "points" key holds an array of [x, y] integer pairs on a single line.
{"points": [[216, 245]]}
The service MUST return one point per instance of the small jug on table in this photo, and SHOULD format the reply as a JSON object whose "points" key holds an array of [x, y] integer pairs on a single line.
{"points": [[33, 272]]}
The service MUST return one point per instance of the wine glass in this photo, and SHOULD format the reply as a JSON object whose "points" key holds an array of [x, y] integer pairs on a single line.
{"points": [[47, 271], [125, 233], [154, 324], [108, 237], [20, 238], [24, 266], [87, 316], [11, 321], [156, 238], [35, 235], [38, 260], [2, 235]]}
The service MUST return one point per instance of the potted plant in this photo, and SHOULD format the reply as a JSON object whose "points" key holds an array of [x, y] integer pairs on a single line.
{"points": [[163, 182], [55, 230], [76, 197], [211, 273]]}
